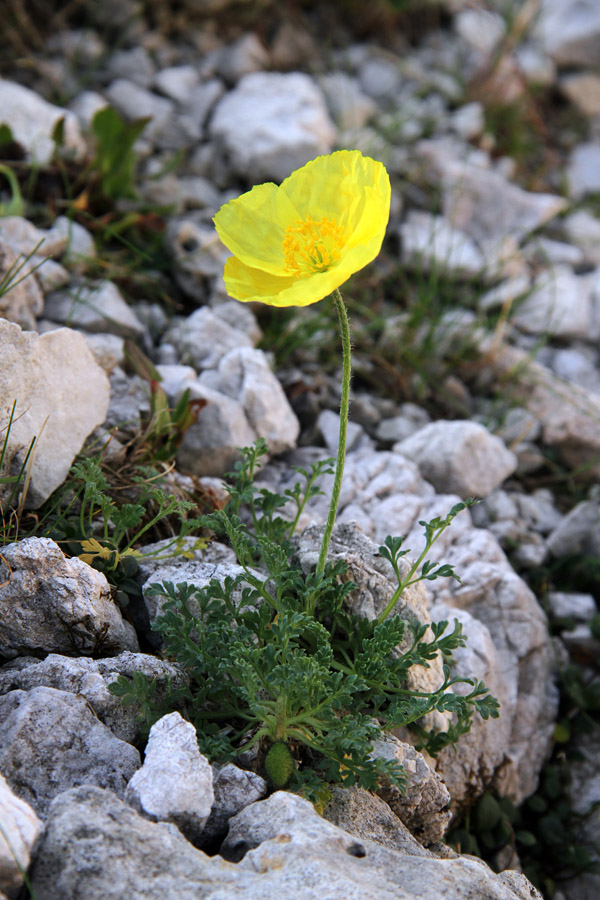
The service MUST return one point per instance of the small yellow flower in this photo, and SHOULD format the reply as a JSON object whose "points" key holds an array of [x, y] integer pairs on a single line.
{"points": [[294, 244]]}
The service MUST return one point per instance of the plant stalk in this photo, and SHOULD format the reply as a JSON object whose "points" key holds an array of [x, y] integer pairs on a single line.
{"points": [[344, 406]]}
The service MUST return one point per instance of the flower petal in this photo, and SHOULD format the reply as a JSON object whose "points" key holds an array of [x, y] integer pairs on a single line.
{"points": [[253, 226], [254, 285]]}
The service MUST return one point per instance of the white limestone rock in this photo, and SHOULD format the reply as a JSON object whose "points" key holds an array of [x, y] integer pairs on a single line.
{"points": [[459, 457], [90, 678], [135, 102], [205, 337], [32, 121], [272, 123], [245, 55], [62, 394], [559, 304], [583, 170], [483, 203], [423, 805], [235, 789], [175, 784], [245, 376], [51, 604], [348, 105], [289, 852], [51, 741], [177, 82], [569, 31], [211, 446], [582, 229], [431, 242], [94, 308]]}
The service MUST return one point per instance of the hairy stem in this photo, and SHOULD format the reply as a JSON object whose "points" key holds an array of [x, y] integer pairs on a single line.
{"points": [[341, 450]]}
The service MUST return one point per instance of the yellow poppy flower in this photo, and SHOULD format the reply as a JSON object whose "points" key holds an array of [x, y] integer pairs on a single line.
{"points": [[294, 244]]}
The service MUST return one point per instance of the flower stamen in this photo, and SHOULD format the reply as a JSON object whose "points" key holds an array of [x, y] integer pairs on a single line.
{"points": [[312, 245]]}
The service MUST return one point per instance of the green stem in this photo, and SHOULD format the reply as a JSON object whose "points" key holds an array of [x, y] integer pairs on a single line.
{"points": [[341, 450]]}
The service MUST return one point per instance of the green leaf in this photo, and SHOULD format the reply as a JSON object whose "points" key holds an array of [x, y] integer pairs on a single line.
{"points": [[115, 160]]}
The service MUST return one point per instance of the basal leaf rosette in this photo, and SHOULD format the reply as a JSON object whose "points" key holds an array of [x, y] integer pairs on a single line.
{"points": [[295, 244]]}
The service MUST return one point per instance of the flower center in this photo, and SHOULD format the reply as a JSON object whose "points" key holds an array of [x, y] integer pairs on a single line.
{"points": [[312, 245]]}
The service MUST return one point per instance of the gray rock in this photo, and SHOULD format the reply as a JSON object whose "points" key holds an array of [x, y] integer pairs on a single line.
{"points": [[272, 123], [431, 242], [245, 55], [578, 365], [563, 605], [50, 604], [569, 414], [85, 106], [62, 395], [22, 301], [423, 805], [522, 677], [50, 274], [175, 783], [97, 308], [459, 457], [583, 89], [26, 238], [177, 82], [245, 376], [582, 228], [107, 349], [203, 99], [129, 401], [91, 678], [485, 205], [175, 379], [328, 424], [548, 252], [380, 76], [559, 304], [538, 511], [291, 824], [583, 170], [584, 790], [32, 121], [505, 293], [468, 121], [197, 254], [578, 532], [348, 105], [368, 817], [204, 338], [295, 853], [134, 102], [51, 741], [481, 29], [212, 445], [134, 64], [219, 565], [234, 789], [569, 30], [397, 428], [80, 243], [19, 835]]}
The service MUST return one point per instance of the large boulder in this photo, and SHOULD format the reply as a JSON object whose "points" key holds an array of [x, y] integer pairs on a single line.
{"points": [[97, 848]]}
